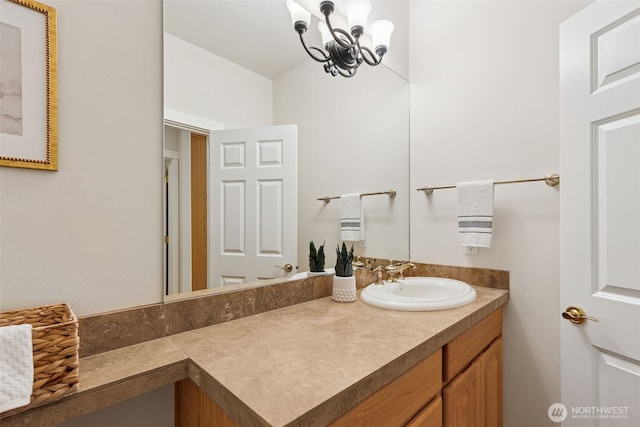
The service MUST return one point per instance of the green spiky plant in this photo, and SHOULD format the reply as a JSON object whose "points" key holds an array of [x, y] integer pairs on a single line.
{"points": [[344, 259], [316, 258]]}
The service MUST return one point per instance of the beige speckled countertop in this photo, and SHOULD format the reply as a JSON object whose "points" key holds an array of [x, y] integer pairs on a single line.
{"points": [[305, 364]]}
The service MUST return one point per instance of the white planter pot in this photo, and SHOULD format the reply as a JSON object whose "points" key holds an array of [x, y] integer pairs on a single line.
{"points": [[344, 289], [316, 273]]}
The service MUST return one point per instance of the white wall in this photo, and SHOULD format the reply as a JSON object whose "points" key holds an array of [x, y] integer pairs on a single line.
{"points": [[91, 234], [484, 104], [353, 137], [205, 85]]}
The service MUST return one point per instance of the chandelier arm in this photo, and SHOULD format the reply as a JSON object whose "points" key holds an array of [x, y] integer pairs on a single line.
{"points": [[335, 31], [323, 58], [375, 60], [351, 73]]}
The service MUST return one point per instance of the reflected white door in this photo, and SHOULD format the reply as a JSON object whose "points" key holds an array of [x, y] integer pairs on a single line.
{"points": [[253, 211], [600, 215]]}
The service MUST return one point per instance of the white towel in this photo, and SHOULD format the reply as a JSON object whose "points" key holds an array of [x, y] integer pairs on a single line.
{"points": [[16, 366], [475, 213], [351, 218]]}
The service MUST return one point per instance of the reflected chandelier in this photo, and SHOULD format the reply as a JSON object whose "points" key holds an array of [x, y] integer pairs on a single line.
{"points": [[342, 52]]}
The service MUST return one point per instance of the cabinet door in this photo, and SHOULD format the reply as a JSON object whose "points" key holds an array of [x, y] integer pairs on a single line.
{"points": [[491, 370], [195, 409], [462, 399], [430, 416], [474, 398]]}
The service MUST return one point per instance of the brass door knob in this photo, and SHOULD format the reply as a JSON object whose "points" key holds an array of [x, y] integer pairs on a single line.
{"points": [[287, 267], [577, 315]]}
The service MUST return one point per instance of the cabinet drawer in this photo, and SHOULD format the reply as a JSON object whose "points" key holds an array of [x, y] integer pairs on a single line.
{"points": [[460, 351], [400, 400]]}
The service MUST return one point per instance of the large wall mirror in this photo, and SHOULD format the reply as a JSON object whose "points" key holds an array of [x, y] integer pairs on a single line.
{"points": [[256, 132]]}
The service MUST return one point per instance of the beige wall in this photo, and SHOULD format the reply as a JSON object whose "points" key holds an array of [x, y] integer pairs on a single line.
{"points": [[152, 409], [353, 137], [484, 104], [91, 234], [204, 85]]}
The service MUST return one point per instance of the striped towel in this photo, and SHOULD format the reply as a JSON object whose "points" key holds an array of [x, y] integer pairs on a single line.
{"points": [[475, 213], [351, 224]]}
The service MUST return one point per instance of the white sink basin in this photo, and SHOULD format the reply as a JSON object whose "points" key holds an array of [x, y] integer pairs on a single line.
{"points": [[419, 294]]}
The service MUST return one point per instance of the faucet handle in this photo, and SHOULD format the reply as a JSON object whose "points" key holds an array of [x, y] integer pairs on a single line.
{"points": [[378, 270], [394, 276], [399, 270], [370, 263]]}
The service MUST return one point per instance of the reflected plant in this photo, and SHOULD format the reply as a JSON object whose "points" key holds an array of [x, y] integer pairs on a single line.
{"points": [[316, 258]]}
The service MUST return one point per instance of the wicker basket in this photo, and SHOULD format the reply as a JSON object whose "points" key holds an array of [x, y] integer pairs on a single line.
{"points": [[55, 351]]}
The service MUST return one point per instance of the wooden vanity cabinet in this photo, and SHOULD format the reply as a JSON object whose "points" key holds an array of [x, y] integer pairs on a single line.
{"points": [[397, 403], [491, 368], [193, 408], [472, 395], [471, 374], [430, 416]]}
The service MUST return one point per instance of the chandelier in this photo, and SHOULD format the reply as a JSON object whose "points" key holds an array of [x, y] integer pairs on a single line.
{"points": [[343, 53]]}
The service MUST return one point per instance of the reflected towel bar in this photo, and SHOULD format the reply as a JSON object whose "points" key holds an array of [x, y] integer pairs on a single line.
{"points": [[391, 193], [550, 180]]}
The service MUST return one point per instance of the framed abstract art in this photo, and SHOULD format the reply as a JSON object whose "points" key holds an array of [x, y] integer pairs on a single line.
{"points": [[28, 85]]}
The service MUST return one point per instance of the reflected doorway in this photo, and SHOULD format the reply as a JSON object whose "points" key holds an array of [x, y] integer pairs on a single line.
{"points": [[186, 188], [230, 205]]}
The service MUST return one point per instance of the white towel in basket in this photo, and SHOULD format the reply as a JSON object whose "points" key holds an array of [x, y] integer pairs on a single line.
{"points": [[16, 366]]}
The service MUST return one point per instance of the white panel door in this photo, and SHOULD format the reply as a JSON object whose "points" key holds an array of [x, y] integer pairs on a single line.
{"points": [[600, 215], [254, 204]]}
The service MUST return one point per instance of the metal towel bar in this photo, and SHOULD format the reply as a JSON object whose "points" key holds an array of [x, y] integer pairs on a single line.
{"points": [[391, 193], [551, 180]]}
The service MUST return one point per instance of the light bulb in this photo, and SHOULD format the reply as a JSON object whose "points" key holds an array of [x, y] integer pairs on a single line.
{"points": [[298, 13], [358, 12], [325, 33], [381, 33]]}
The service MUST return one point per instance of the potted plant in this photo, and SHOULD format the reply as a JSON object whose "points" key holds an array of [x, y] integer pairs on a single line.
{"points": [[344, 284], [316, 260]]}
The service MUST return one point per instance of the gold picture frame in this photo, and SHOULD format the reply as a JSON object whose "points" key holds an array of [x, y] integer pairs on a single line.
{"points": [[28, 94]]}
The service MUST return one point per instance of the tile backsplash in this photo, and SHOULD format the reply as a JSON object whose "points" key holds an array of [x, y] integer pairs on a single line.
{"points": [[109, 331]]}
